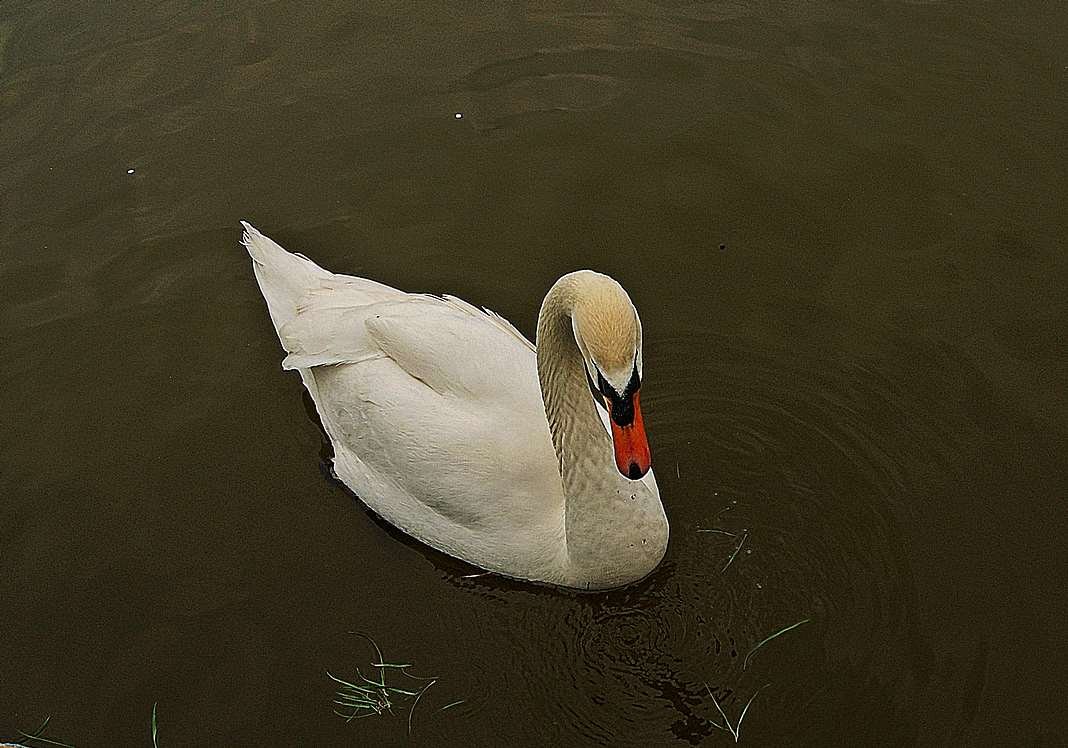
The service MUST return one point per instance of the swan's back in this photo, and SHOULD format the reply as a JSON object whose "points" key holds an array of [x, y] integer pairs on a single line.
{"points": [[432, 406]]}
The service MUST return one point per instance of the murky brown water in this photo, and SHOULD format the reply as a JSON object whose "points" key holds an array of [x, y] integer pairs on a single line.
{"points": [[844, 226]]}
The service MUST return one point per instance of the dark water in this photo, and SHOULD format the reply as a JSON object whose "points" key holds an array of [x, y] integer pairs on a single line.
{"points": [[843, 224]]}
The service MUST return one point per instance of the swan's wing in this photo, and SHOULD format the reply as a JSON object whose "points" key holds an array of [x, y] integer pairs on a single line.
{"points": [[494, 317], [468, 476], [325, 318], [453, 349], [439, 426], [329, 327]]}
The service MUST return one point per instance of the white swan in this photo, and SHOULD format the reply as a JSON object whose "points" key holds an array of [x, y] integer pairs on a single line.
{"points": [[436, 415]]}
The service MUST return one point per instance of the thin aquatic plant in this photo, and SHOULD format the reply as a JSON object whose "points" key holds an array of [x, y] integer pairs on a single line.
{"points": [[155, 726], [736, 551], [736, 729], [416, 701], [38, 735], [745, 662], [364, 697]]}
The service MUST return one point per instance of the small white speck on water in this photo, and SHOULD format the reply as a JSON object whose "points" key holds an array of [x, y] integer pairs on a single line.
{"points": [[129, 171], [734, 501], [748, 551], [760, 586], [459, 115]]}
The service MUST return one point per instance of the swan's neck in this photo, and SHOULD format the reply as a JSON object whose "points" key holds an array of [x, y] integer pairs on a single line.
{"points": [[615, 528]]}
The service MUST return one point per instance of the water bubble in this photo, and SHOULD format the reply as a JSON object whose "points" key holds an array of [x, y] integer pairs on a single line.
{"points": [[459, 115], [129, 171]]}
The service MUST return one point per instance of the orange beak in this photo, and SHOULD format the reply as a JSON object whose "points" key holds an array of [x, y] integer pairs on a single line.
{"points": [[631, 445]]}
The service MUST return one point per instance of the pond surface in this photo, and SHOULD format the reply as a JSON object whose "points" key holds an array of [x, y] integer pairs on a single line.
{"points": [[843, 224]]}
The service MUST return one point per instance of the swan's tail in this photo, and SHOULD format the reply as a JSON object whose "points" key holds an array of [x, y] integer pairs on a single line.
{"points": [[318, 315], [284, 277]]}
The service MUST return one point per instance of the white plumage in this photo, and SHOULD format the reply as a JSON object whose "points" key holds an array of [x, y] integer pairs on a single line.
{"points": [[435, 413]]}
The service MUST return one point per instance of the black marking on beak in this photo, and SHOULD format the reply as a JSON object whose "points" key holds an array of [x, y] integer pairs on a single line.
{"points": [[620, 407]]}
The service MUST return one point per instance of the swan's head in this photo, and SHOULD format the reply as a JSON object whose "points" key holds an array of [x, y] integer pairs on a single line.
{"points": [[609, 335]]}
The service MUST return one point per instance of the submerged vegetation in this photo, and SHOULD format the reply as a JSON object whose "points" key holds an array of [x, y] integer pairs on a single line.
{"points": [[355, 698], [780, 632], [363, 697], [37, 736], [738, 549], [736, 729]]}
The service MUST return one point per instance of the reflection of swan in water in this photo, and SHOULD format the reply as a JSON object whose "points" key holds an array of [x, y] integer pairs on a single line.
{"points": [[446, 421]]}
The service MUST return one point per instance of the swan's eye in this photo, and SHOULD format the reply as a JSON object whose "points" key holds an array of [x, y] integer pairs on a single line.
{"points": [[595, 389]]}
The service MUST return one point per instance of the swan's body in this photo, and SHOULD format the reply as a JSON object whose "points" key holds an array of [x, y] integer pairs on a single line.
{"points": [[435, 412]]}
